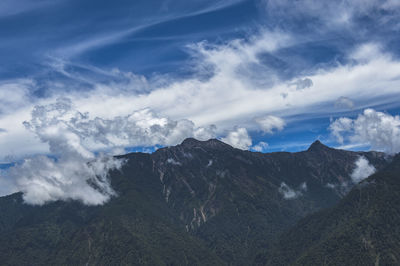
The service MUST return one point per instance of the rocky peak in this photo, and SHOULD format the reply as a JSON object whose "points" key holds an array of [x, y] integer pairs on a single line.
{"points": [[318, 146]]}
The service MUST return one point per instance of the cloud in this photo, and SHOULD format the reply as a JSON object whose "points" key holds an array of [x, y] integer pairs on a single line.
{"points": [[330, 15], [344, 103], [83, 133], [270, 123], [261, 146], [302, 84], [231, 84], [238, 138], [75, 172], [367, 51], [381, 131], [7, 185], [363, 170], [14, 93], [2, 130], [43, 179], [173, 161], [289, 193]]}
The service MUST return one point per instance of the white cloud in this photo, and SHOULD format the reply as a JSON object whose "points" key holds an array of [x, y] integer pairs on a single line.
{"points": [[238, 138], [42, 179], [302, 84], [363, 170], [289, 193], [379, 130], [75, 173], [366, 52], [270, 123], [228, 97], [72, 137], [140, 128], [344, 103], [261, 146], [13, 94], [173, 161]]}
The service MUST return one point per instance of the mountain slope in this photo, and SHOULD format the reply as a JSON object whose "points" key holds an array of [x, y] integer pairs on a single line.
{"points": [[136, 228], [198, 203], [363, 229], [232, 198]]}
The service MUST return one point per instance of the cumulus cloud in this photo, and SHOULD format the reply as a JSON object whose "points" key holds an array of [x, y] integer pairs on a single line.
{"points": [[289, 193], [43, 179], [261, 146], [74, 171], [344, 103], [363, 170], [140, 128], [270, 123], [379, 130], [238, 138]]}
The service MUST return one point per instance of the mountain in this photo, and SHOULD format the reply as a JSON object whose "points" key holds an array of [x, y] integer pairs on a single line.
{"points": [[197, 203], [362, 229]]}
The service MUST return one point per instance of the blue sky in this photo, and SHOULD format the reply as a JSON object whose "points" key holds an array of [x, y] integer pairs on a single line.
{"points": [[284, 71]]}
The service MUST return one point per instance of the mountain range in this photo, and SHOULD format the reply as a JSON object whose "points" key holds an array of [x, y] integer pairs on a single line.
{"points": [[207, 203]]}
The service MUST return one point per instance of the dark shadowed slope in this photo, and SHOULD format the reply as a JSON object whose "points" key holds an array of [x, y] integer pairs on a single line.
{"points": [[363, 229], [198, 203]]}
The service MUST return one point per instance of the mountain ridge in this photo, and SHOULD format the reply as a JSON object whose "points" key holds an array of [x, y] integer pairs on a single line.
{"points": [[223, 203]]}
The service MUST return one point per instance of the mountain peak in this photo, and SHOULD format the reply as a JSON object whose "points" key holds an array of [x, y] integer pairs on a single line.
{"points": [[317, 146], [211, 143]]}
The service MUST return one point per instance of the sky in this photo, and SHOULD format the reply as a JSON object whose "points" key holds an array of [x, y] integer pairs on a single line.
{"points": [[80, 79]]}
